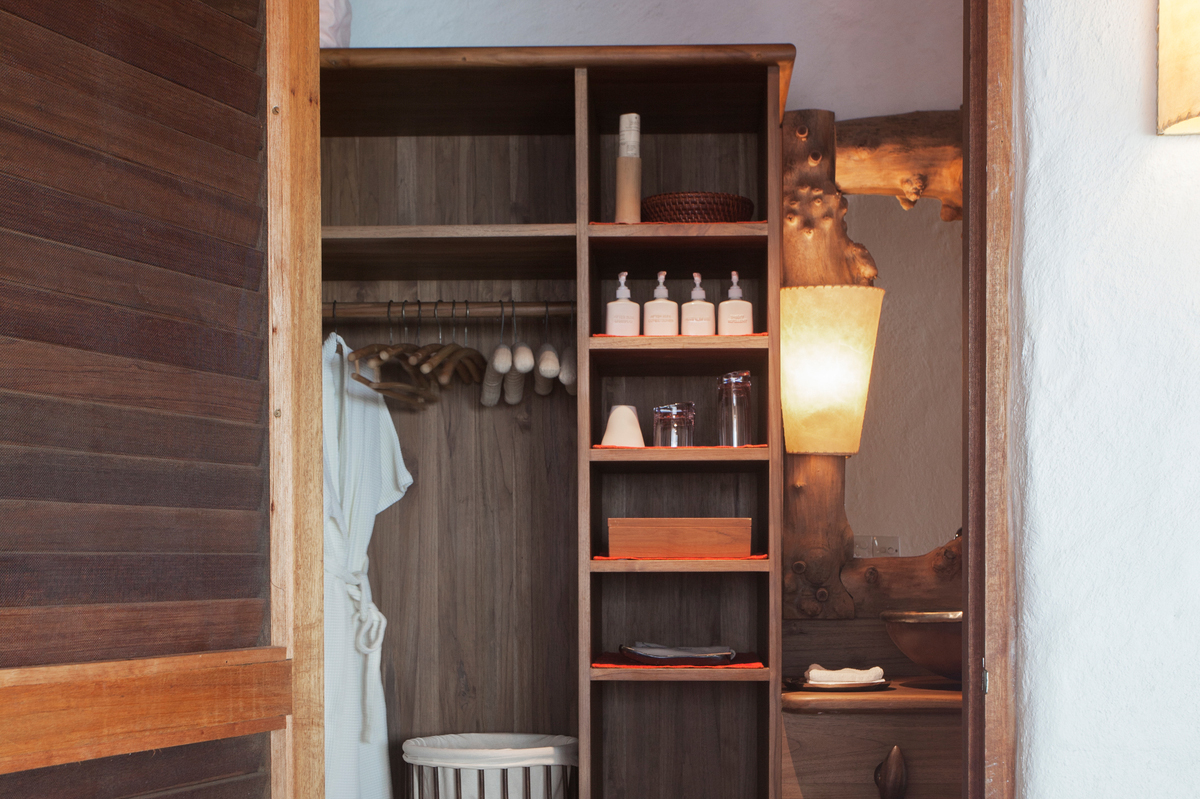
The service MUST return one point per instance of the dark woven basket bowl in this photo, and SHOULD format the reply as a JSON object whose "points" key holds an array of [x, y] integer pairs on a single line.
{"points": [[697, 206]]}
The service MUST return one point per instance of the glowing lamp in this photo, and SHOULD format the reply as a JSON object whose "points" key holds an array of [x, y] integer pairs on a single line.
{"points": [[1178, 66], [827, 343]]}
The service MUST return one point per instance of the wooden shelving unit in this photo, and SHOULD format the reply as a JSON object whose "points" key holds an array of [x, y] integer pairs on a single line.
{"points": [[689, 103], [420, 149]]}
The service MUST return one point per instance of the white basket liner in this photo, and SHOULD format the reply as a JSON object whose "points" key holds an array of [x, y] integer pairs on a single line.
{"points": [[492, 750]]}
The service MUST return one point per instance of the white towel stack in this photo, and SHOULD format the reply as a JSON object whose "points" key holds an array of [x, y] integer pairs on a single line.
{"points": [[818, 674]]}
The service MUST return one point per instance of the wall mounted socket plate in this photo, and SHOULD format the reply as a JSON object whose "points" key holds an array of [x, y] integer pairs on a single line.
{"points": [[885, 546]]}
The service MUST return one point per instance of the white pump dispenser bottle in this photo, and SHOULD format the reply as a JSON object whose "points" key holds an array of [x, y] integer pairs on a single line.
{"points": [[660, 315], [735, 316], [699, 315], [621, 317]]}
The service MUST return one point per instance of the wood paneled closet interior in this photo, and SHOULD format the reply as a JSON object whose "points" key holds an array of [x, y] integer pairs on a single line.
{"points": [[488, 174]]}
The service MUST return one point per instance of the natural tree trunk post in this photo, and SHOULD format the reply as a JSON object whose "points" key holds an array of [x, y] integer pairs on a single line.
{"points": [[909, 156], [817, 251]]}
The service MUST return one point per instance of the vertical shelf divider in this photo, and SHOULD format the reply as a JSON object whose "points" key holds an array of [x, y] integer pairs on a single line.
{"points": [[589, 709], [774, 194]]}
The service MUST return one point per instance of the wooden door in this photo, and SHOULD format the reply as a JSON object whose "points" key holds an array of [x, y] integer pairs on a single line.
{"points": [[148, 596]]}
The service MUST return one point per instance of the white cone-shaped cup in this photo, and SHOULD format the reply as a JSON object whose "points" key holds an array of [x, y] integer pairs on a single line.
{"points": [[623, 429]]}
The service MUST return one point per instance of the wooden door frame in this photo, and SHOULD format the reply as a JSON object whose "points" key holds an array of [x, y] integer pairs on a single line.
{"points": [[294, 287], [988, 261]]}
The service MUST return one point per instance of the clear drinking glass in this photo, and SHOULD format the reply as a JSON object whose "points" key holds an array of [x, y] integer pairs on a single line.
{"points": [[734, 409], [674, 424]]}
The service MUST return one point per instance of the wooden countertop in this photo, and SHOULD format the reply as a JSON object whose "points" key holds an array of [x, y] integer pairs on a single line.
{"points": [[904, 695]]}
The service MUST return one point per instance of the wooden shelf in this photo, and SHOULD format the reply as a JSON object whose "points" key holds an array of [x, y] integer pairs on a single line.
{"points": [[465, 252], [672, 344], [904, 695], [706, 235], [702, 356], [679, 455], [679, 675], [678, 565]]}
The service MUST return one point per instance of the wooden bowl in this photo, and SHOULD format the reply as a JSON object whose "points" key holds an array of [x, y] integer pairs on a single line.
{"points": [[929, 639]]}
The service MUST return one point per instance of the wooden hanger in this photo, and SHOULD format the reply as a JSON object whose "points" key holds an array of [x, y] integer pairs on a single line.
{"points": [[497, 367]]}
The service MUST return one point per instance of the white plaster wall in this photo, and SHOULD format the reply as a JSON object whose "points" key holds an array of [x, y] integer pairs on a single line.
{"points": [[1110, 376], [856, 58]]}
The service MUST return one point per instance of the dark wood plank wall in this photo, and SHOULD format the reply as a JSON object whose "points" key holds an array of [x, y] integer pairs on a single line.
{"points": [[474, 567], [726, 162], [235, 768], [447, 180], [133, 518]]}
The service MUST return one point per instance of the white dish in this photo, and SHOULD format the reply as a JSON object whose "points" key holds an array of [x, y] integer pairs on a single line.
{"points": [[845, 686]]}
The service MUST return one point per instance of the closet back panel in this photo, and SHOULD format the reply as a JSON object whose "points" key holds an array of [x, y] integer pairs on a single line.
{"points": [[475, 567], [447, 180], [689, 739]]}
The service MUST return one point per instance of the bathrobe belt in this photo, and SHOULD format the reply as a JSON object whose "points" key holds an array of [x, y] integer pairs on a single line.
{"points": [[368, 640]]}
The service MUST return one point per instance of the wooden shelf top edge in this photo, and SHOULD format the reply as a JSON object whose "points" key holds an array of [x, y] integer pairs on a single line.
{"points": [[679, 565], [679, 675], [746, 230], [624, 343], [680, 454], [781, 55], [904, 695], [332, 233]]}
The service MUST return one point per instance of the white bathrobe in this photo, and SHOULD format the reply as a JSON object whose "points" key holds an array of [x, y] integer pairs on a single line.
{"points": [[364, 473]]}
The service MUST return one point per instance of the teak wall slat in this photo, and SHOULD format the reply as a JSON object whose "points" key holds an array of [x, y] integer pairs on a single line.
{"points": [[47, 213], [126, 87], [134, 41], [54, 162], [202, 25], [60, 714], [58, 476], [63, 579], [246, 11], [31, 420], [45, 635], [144, 773], [90, 122], [80, 527], [45, 369], [49, 317], [128, 284]]}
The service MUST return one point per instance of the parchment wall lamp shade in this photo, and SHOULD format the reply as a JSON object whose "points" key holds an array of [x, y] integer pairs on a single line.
{"points": [[1178, 66], [827, 344]]}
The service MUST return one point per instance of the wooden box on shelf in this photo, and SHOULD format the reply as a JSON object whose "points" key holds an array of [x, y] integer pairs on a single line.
{"points": [[679, 538]]}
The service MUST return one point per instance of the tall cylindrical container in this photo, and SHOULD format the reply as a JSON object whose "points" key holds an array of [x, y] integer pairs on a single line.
{"points": [[734, 409], [629, 170]]}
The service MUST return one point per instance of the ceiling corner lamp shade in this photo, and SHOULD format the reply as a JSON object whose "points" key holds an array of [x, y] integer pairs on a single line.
{"points": [[826, 348], [1178, 66]]}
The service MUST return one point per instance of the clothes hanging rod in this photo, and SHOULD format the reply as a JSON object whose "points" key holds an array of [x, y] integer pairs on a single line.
{"points": [[351, 312]]}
